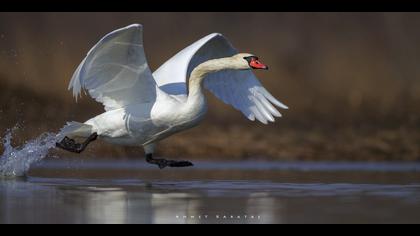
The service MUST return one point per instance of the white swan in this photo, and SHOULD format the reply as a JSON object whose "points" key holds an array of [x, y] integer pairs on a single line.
{"points": [[143, 108]]}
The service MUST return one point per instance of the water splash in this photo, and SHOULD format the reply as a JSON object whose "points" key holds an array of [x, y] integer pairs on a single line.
{"points": [[16, 161]]}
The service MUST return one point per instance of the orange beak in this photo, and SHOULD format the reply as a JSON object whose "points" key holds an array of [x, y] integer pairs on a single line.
{"points": [[256, 64]]}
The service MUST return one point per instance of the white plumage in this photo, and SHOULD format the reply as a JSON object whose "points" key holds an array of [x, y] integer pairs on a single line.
{"points": [[239, 88], [143, 108]]}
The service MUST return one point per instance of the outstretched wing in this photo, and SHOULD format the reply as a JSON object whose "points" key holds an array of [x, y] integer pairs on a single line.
{"points": [[241, 89], [115, 71]]}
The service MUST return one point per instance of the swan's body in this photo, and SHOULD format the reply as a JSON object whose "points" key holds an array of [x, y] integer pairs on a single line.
{"points": [[132, 126], [143, 108]]}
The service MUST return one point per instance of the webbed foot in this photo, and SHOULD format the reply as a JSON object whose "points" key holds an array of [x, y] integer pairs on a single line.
{"points": [[70, 145], [162, 163]]}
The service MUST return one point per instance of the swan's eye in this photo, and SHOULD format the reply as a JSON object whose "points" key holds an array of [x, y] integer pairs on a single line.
{"points": [[250, 58]]}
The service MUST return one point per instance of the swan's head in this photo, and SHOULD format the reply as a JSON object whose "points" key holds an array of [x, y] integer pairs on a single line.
{"points": [[248, 61]]}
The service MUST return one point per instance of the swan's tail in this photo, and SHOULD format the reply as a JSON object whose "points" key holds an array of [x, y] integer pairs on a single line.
{"points": [[75, 130]]}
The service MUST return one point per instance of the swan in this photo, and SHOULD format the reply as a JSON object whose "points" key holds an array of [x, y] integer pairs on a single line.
{"points": [[142, 108]]}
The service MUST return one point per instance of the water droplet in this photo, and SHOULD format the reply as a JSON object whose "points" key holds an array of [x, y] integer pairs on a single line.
{"points": [[16, 161]]}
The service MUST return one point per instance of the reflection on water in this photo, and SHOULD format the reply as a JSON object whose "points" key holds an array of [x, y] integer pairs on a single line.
{"points": [[59, 201], [51, 195]]}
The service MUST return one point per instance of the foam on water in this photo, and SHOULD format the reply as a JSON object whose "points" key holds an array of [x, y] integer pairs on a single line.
{"points": [[16, 161]]}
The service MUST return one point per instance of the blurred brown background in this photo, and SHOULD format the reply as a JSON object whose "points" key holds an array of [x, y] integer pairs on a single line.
{"points": [[351, 81]]}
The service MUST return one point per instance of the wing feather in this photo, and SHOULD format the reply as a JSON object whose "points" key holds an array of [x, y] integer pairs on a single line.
{"points": [[241, 89], [115, 71]]}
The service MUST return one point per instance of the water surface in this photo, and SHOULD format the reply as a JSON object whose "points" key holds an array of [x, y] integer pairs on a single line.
{"points": [[95, 191]]}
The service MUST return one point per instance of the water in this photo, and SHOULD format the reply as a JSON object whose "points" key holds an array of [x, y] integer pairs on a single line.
{"points": [[126, 191], [16, 161]]}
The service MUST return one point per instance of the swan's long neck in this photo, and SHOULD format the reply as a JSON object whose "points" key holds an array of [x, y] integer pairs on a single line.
{"points": [[196, 105], [201, 71]]}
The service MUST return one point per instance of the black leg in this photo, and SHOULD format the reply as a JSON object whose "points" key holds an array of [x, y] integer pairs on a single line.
{"points": [[162, 163], [70, 145]]}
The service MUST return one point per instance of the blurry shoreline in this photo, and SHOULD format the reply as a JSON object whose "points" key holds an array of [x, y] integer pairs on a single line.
{"points": [[220, 139]]}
